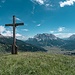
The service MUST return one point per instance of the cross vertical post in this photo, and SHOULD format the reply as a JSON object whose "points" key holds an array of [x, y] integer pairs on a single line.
{"points": [[14, 40], [14, 47]]}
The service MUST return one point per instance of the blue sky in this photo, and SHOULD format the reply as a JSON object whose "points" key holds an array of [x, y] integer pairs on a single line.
{"points": [[40, 16]]}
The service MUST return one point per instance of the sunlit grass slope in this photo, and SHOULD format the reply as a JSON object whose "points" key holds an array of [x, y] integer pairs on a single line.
{"points": [[37, 63]]}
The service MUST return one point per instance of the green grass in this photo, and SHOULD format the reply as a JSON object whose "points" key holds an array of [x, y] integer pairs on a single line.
{"points": [[37, 63]]}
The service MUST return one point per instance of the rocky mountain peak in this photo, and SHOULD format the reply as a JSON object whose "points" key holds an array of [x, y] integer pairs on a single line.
{"points": [[45, 36], [72, 37], [1, 36]]}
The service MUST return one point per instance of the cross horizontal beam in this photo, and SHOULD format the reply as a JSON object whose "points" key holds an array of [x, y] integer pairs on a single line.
{"points": [[17, 24]]}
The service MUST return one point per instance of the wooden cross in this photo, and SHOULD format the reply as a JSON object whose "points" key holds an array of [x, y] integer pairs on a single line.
{"points": [[14, 47]]}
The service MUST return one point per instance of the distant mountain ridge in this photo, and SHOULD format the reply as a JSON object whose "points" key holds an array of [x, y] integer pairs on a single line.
{"points": [[51, 40], [6, 45], [38, 43], [72, 37], [45, 36], [45, 40]]}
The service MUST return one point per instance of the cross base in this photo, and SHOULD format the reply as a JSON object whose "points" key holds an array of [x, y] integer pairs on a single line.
{"points": [[14, 51]]}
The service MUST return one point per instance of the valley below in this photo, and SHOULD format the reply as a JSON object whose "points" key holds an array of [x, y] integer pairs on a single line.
{"points": [[41, 42], [53, 44]]}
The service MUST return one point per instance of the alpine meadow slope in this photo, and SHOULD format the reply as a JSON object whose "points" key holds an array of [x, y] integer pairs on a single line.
{"points": [[37, 63]]}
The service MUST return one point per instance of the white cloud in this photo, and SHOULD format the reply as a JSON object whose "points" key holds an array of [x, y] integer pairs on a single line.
{"points": [[63, 35], [7, 32], [18, 19], [18, 35], [39, 25], [22, 38], [41, 2], [2, 29], [60, 32], [52, 31], [66, 3], [33, 1], [10, 33], [47, 5], [60, 29], [2, 1], [25, 30], [33, 10]]}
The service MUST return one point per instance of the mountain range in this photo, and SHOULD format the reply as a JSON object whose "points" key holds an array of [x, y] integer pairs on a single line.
{"points": [[40, 42], [50, 40], [6, 45]]}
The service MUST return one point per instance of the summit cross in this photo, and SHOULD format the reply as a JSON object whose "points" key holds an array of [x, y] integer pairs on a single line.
{"points": [[14, 25]]}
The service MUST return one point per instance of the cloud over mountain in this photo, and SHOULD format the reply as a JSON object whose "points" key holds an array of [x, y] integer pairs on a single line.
{"points": [[7, 32], [60, 29]]}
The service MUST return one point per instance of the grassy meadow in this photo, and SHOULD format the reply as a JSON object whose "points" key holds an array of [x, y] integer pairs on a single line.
{"points": [[37, 63]]}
